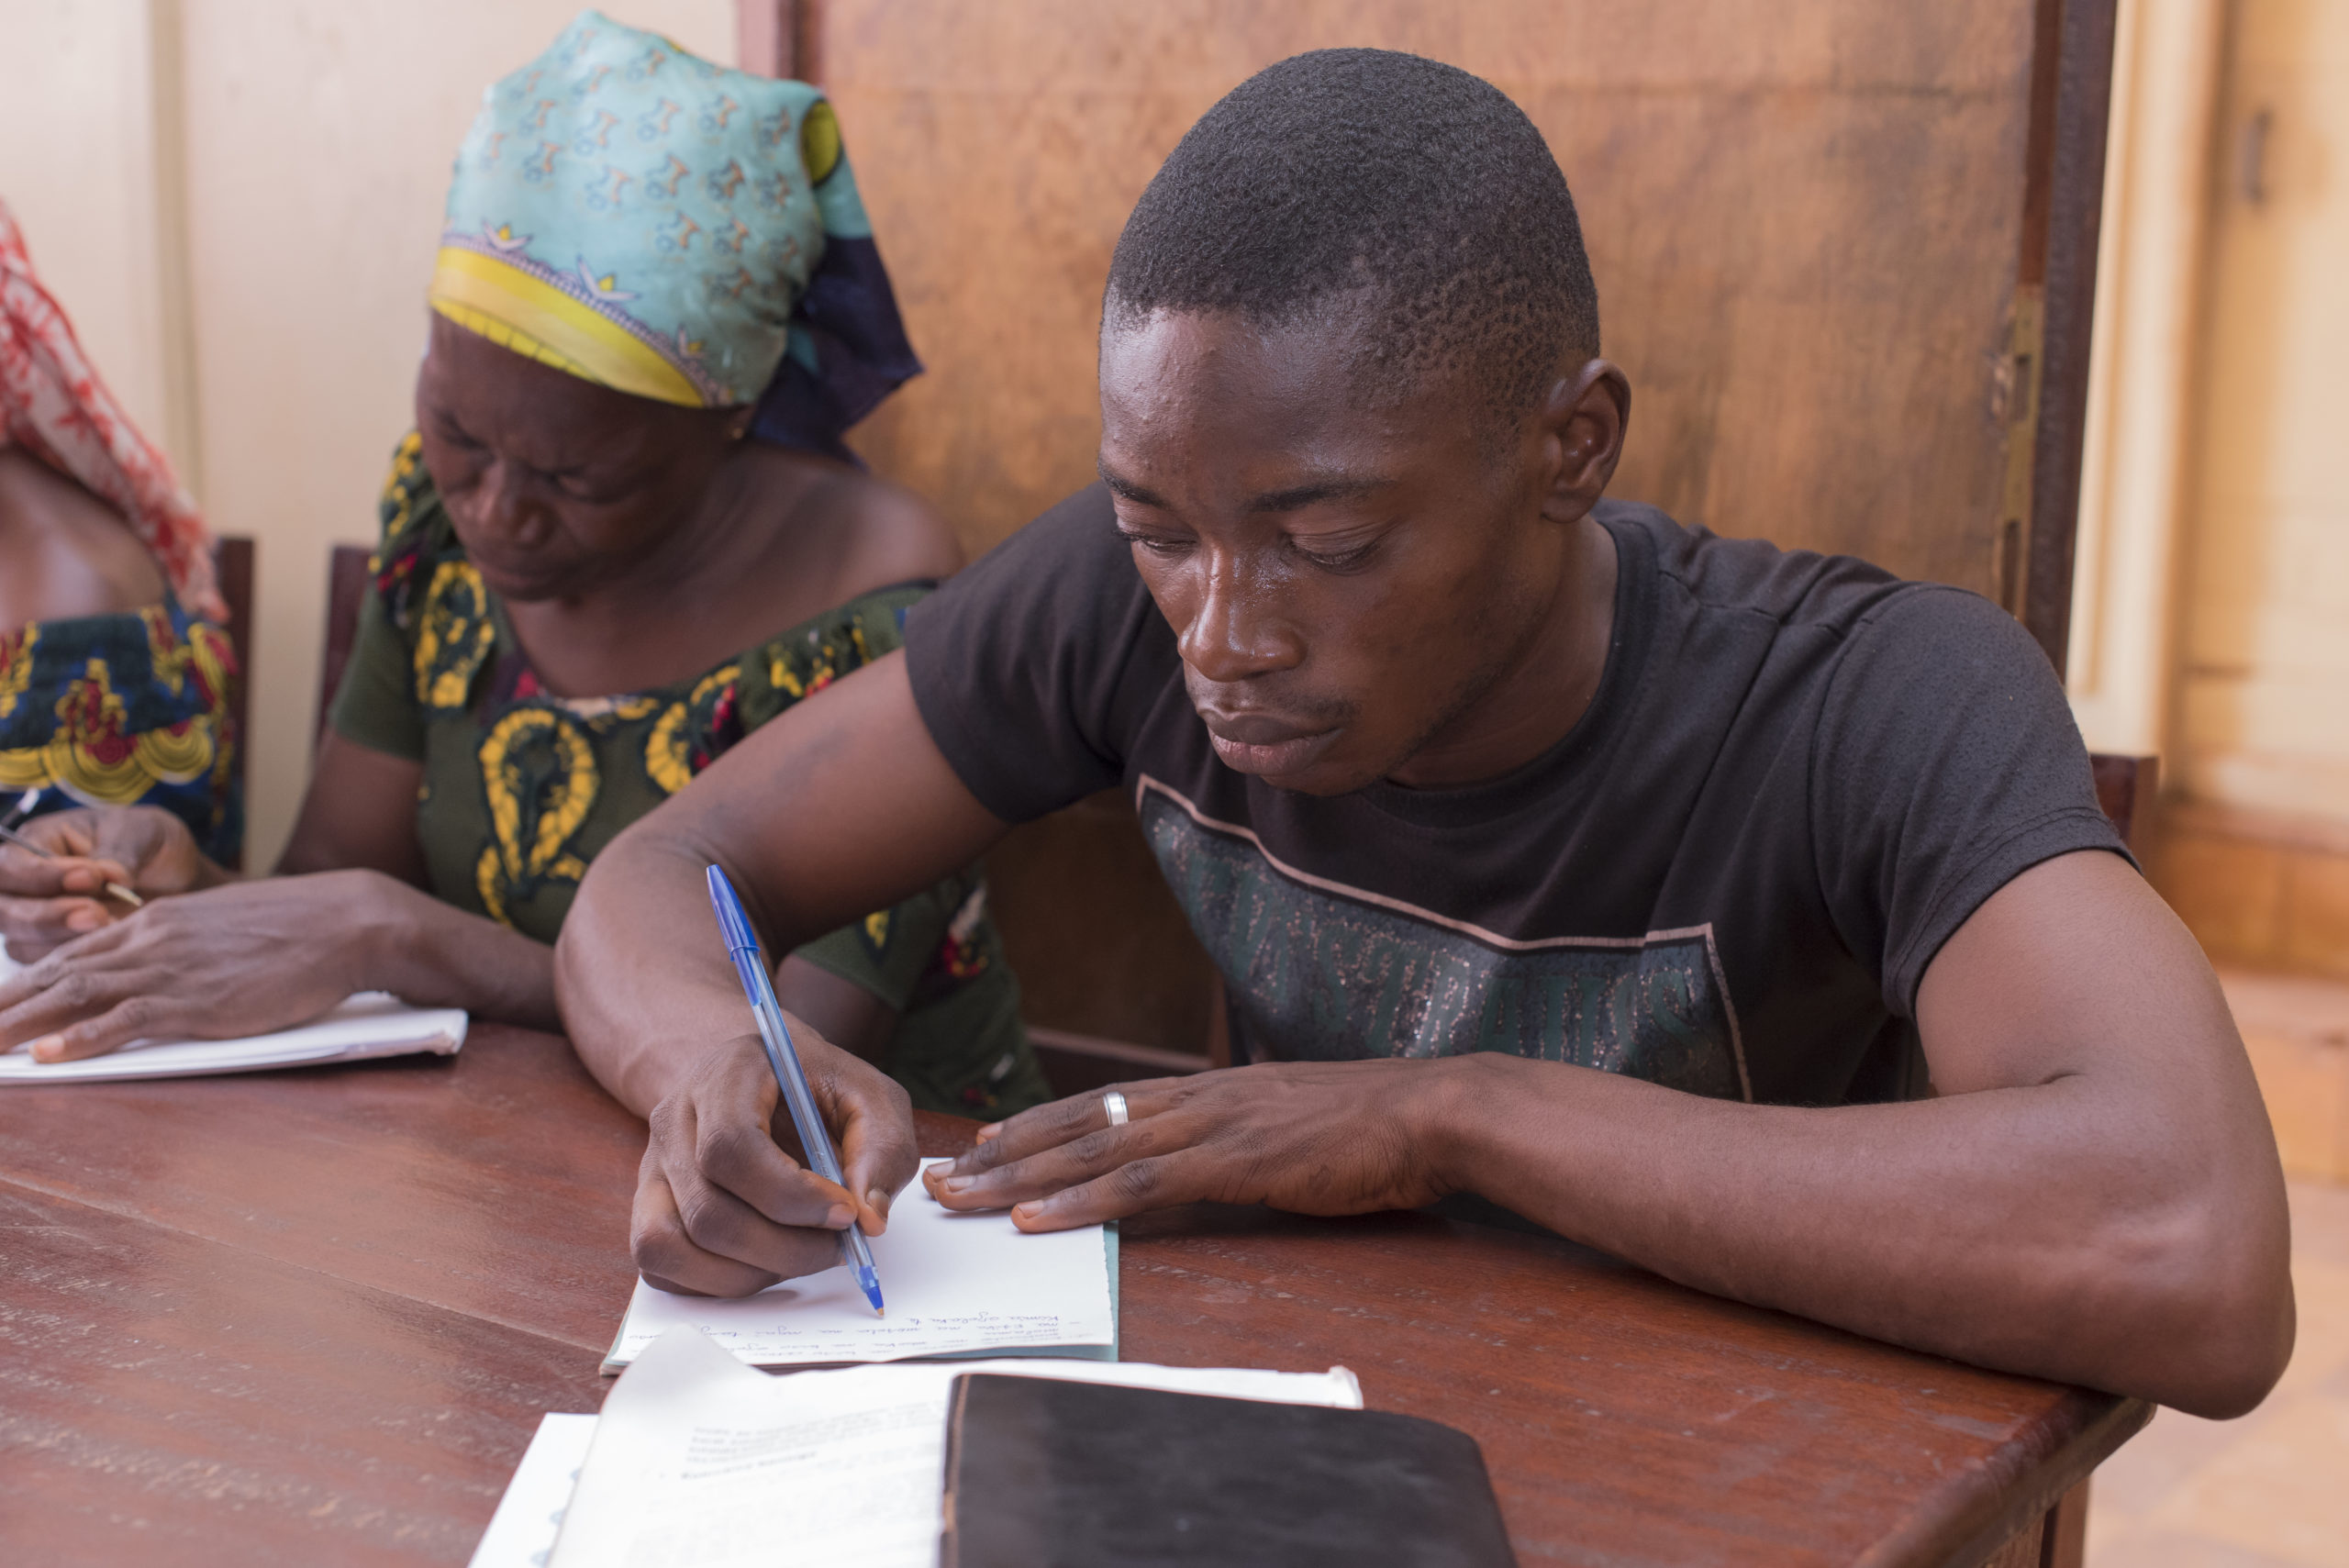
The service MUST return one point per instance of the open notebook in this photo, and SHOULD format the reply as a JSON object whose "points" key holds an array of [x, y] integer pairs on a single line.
{"points": [[957, 1285], [369, 1024], [699, 1461]]}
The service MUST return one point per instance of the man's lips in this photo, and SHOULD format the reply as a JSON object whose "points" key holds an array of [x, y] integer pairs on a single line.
{"points": [[1260, 743]]}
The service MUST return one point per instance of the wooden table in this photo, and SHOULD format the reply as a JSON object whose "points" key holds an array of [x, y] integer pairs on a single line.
{"points": [[313, 1318]]}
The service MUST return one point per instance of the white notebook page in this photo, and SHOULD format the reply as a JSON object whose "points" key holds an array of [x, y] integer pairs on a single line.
{"points": [[953, 1283]]}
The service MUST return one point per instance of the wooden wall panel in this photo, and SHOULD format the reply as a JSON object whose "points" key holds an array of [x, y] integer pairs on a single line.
{"points": [[1804, 219]]}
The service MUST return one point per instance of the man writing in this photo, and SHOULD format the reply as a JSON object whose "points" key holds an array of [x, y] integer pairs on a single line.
{"points": [[1746, 915]]}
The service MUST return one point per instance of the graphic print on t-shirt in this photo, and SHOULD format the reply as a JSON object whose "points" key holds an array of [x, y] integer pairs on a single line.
{"points": [[1321, 972]]}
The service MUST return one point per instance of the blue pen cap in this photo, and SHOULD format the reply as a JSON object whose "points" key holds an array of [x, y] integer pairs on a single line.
{"points": [[739, 938]]}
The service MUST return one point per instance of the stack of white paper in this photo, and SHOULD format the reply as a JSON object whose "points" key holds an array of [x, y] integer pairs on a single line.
{"points": [[521, 1533], [699, 1462], [369, 1024], [957, 1285]]}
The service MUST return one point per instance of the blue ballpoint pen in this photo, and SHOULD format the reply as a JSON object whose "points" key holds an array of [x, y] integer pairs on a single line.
{"points": [[742, 945]]}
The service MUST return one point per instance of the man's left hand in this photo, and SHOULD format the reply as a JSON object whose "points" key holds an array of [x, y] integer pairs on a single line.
{"points": [[1310, 1137]]}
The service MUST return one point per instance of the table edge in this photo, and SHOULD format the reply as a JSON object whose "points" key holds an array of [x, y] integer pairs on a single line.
{"points": [[1974, 1522]]}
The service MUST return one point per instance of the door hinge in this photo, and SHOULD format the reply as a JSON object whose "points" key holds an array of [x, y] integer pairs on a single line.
{"points": [[2010, 539]]}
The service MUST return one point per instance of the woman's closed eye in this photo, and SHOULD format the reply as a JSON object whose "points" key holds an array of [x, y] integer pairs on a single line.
{"points": [[579, 486], [450, 433]]}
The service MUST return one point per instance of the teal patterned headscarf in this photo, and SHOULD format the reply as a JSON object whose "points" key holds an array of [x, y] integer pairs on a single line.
{"points": [[636, 216]]}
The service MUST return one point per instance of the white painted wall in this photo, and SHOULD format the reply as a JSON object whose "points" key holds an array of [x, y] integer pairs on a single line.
{"points": [[315, 140], [2150, 278], [78, 166], [2262, 718]]}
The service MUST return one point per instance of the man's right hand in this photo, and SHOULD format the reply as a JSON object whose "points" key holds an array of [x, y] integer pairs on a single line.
{"points": [[45, 904], [722, 1207]]}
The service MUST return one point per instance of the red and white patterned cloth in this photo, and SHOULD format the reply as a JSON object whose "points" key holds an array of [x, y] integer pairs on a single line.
{"points": [[54, 404]]}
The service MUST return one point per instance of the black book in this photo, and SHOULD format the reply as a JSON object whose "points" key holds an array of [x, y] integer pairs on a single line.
{"points": [[1044, 1473]]}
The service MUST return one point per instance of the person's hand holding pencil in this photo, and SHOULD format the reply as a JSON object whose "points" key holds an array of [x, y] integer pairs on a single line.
{"points": [[112, 888], [67, 873]]}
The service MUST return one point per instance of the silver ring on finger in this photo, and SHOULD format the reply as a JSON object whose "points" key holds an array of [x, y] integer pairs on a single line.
{"points": [[1114, 1104]]}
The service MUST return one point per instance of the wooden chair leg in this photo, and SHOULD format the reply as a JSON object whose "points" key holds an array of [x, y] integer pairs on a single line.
{"points": [[2063, 1539], [1218, 1026]]}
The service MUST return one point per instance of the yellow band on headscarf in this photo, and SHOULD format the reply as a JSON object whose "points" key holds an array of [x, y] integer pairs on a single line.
{"points": [[517, 311]]}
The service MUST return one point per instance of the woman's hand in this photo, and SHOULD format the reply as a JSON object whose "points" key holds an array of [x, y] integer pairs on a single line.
{"points": [[722, 1208], [240, 959], [1310, 1137], [47, 903]]}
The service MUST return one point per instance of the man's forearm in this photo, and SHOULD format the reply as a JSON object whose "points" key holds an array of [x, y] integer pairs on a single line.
{"points": [[645, 983], [2029, 1228], [874, 814]]}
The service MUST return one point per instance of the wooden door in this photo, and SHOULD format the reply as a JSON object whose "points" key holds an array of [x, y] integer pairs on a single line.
{"points": [[1844, 249]]}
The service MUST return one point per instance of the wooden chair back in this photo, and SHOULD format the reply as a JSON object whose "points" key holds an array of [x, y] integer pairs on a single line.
{"points": [[346, 580], [232, 564]]}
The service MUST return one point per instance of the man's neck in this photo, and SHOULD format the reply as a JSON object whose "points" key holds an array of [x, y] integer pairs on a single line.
{"points": [[1543, 690]]}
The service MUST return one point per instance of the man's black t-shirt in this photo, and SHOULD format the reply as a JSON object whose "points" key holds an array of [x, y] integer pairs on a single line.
{"points": [[1799, 775]]}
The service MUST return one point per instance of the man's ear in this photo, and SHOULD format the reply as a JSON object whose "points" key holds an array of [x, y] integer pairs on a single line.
{"points": [[1581, 424]]}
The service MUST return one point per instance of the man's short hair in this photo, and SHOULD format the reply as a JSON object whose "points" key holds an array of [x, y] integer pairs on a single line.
{"points": [[1360, 172]]}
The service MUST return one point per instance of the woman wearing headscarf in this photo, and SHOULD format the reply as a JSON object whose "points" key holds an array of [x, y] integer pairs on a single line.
{"points": [[113, 670], [623, 533]]}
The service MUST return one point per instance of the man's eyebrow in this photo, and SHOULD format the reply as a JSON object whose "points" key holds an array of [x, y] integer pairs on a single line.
{"points": [[1128, 488], [1337, 487]]}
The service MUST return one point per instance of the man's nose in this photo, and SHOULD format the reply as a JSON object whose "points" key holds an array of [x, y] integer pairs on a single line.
{"points": [[1238, 628]]}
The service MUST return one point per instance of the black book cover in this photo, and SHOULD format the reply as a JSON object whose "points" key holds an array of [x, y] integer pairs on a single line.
{"points": [[1043, 1473]]}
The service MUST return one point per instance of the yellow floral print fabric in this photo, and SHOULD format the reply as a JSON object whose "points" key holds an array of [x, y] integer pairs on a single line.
{"points": [[124, 710]]}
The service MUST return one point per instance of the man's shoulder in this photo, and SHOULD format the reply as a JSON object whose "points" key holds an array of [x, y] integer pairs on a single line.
{"points": [[1082, 526], [1068, 565], [1796, 588], [1830, 635], [1053, 625]]}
